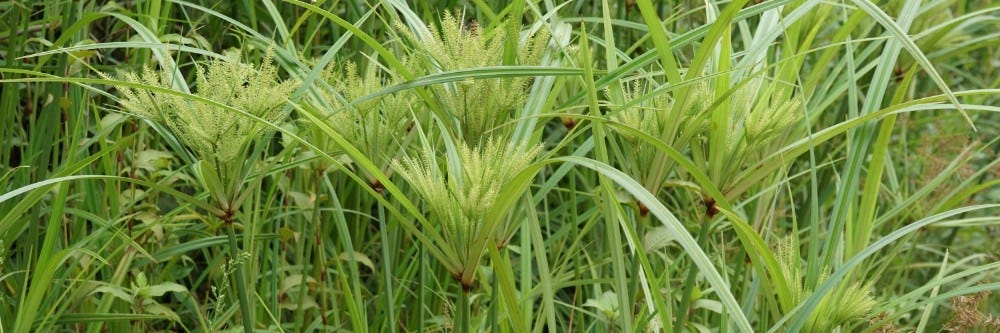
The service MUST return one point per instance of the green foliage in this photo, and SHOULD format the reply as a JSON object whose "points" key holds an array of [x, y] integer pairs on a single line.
{"points": [[637, 166]]}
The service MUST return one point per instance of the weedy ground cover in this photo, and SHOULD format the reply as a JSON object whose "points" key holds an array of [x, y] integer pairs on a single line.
{"points": [[501, 166]]}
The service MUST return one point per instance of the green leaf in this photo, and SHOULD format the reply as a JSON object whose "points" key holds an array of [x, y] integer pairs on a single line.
{"points": [[360, 257], [116, 291], [606, 303], [657, 238], [152, 159], [160, 310], [163, 288], [207, 173]]}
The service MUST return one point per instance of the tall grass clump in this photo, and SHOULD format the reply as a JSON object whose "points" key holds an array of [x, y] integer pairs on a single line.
{"points": [[499, 166]]}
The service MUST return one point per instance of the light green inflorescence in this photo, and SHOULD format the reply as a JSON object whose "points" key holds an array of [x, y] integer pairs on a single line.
{"points": [[376, 126], [462, 202], [477, 105], [658, 117], [848, 303], [211, 131]]}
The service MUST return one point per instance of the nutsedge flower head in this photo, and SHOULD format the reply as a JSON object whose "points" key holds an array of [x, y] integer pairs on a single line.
{"points": [[463, 200], [477, 105], [377, 125], [848, 303], [209, 130]]}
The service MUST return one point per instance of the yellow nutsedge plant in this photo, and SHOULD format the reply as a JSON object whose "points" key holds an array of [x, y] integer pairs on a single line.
{"points": [[220, 137], [466, 201], [654, 114], [759, 117], [476, 106], [847, 304], [376, 126]]}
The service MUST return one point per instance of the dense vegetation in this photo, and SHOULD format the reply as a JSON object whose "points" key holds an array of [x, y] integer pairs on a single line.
{"points": [[504, 166]]}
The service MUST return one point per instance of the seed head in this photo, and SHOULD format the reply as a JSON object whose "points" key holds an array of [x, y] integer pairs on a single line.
{"points": [[847, 303], [209, 130], [463, 200], [480, 105], [374, 125]]}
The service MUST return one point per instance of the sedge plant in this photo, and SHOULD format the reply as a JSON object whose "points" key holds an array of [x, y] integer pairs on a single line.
{"points": [[474, 108], [848, 304], [376, 126], [464, 201], [486, 168], [653, 113], [234, 107]]}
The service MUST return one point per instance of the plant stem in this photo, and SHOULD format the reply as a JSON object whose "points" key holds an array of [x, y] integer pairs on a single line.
{"points": [[494, 304], [387, 270], [463, 312], [241, 287], [689, 282], [421, 292]]}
